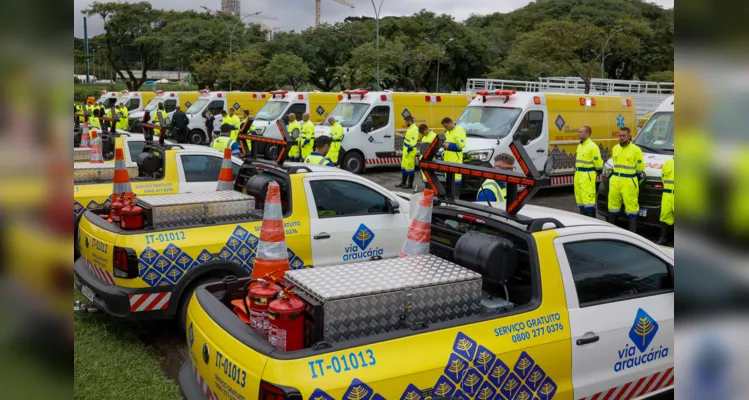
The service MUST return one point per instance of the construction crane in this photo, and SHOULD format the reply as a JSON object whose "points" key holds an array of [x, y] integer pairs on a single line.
{"points": [[317, 9]]}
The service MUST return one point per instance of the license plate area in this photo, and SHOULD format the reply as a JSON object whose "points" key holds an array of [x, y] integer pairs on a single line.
{"points": [[88, 293], [643, 212]]}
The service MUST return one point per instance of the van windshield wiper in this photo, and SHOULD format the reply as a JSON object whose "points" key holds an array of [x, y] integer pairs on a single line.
{"points": [[650, 149]]}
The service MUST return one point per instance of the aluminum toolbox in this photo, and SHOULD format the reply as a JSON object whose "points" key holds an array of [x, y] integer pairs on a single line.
{"points": [[363, 299], [92, 173], [196, 208], [81, 154]]}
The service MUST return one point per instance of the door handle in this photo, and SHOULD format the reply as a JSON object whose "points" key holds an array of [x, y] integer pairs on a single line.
{"points": [[587, 340], [388, 136], [541, 151], [322, 235]]}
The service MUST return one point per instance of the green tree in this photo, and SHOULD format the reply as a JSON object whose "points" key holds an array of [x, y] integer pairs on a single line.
{"points": [[661, 76], [132, 30], [286, 69], [244, 68], [206, 69]]}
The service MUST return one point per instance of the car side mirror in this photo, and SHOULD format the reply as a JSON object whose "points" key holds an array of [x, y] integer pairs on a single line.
{"points": [[524, 135], [393, 206]]}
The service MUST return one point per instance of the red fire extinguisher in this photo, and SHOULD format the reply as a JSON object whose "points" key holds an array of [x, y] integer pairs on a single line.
{"points": [[286, 319], [260, 296], [131, 216], [117, 207]]}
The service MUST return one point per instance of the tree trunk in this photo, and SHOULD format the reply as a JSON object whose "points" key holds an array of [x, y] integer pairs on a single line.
{"points": [[586, 79]]}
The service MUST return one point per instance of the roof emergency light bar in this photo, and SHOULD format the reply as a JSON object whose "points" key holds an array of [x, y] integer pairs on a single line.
{"points": [[357, 92], [283, 93], [284, 143], [531, 179], [505, 93]]}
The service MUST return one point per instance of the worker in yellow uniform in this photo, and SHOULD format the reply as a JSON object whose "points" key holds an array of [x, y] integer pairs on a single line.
{"points": [[667, 202], [588, 164], [77, 109], [159, 118], [225, 141], [122, 125], [496, 191], [455, 141], [308, 136], [408, 159], [317, 157], [233, 120], [93, 120], [427, 136], [248, 128], [336, 137], [295, 132], [624, 185]]}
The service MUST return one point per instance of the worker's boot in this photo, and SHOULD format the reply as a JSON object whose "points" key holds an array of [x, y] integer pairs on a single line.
{"points": [[591, 213], [633, 224], [582, 211], [410, 184], [665, 234], [612, 218], [403, 181]]}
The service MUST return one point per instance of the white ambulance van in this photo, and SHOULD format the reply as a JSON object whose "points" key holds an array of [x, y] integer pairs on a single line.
{"points": [[215, 102], [108, 99]]}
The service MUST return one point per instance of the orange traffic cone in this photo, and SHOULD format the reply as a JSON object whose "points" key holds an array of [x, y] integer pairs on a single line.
{"points": [[84, 135], [226, 177], [96, 156], [121, 184], [271, 253], [420, 231]]}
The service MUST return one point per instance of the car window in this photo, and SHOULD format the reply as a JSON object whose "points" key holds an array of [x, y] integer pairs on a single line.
{"points": [[534, 122], [298, 109], [170, 105], [201, 168], [378, 118], [216, 106], [135, 148], [607, 270], [343, 199], [132, 104]]}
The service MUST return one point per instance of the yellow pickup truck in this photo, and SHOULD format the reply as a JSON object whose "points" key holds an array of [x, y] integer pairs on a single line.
{"points": [[512, 303]]}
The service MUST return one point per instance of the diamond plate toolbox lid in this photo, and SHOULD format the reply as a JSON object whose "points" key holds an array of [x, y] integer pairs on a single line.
{"points": [[367, 278], [195, 208], [87, 172]]}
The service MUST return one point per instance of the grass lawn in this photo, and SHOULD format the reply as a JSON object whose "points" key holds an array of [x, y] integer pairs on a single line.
{"points": [[112, 363]]}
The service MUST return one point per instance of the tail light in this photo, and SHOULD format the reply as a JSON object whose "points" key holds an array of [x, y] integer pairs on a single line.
{"points": [[125, 263], [276, 392]]}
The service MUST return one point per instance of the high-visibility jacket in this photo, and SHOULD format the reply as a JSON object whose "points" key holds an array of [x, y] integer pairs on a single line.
{"points": [[123, 118], [408, 160], [296, 149], [336, 135], [628, 161], [79, 110], [318, 159], [428, 138], [93, 121], [222, 142], [624, 185], [232, 120], [455, 140], [587, 162], [248, 131], [308, 138], [155, 121], [492, 191], [667, 198]]}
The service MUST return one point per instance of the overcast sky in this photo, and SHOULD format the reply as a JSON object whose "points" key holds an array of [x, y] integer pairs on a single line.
{"points": [[300, 14]]}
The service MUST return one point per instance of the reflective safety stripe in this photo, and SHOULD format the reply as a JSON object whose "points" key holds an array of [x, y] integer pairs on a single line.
{"points": [[624, 166], [584, 162], [667, 182], [589, 169], [624, 175]]}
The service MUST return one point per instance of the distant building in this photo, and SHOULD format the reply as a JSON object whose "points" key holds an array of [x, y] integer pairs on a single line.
{"points": [[231, 7]]}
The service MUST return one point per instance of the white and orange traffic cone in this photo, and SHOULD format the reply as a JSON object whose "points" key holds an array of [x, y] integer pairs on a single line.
{"points": [[226, 176], [96, 156], [85, 138], [271, 257], [420, 231], [120, 187]]}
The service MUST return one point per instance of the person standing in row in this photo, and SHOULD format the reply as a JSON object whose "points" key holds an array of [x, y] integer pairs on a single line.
{"points": [[427, 137], [588, 164], [496, 191], [232, 120], [336, 137], [209, 120], [317, 157], [308, 135], [248, 128], [624, 185], [667, 202], [159, 118], [408, 159], [295, 133], [455, 142], [180, 120], [123, 111]]}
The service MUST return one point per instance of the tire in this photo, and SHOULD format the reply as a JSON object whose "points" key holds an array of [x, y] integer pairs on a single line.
{"points": [[353, 162], [270, 152], [185, 297], [196, 136]]}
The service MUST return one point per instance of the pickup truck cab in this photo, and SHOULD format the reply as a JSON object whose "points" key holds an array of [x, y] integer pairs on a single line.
{"points": [[572, 308], [325, 209]]}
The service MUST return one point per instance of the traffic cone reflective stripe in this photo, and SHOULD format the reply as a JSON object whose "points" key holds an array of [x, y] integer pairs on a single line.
{"points": [[96, 156], [84, 135], [420, 231], [271, 251], [226, 176], [121, 184]]}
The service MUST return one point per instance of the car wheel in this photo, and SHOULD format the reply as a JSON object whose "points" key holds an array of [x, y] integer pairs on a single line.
{"points": [[184, 300], [195, 137], [353, 162]]}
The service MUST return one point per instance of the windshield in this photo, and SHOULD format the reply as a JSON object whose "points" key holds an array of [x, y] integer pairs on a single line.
{"points": [[658, 133], [197, 106], [109, 102], [349, 114], [153, 104], [132, 104], [271, 110], [488, 122]]}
